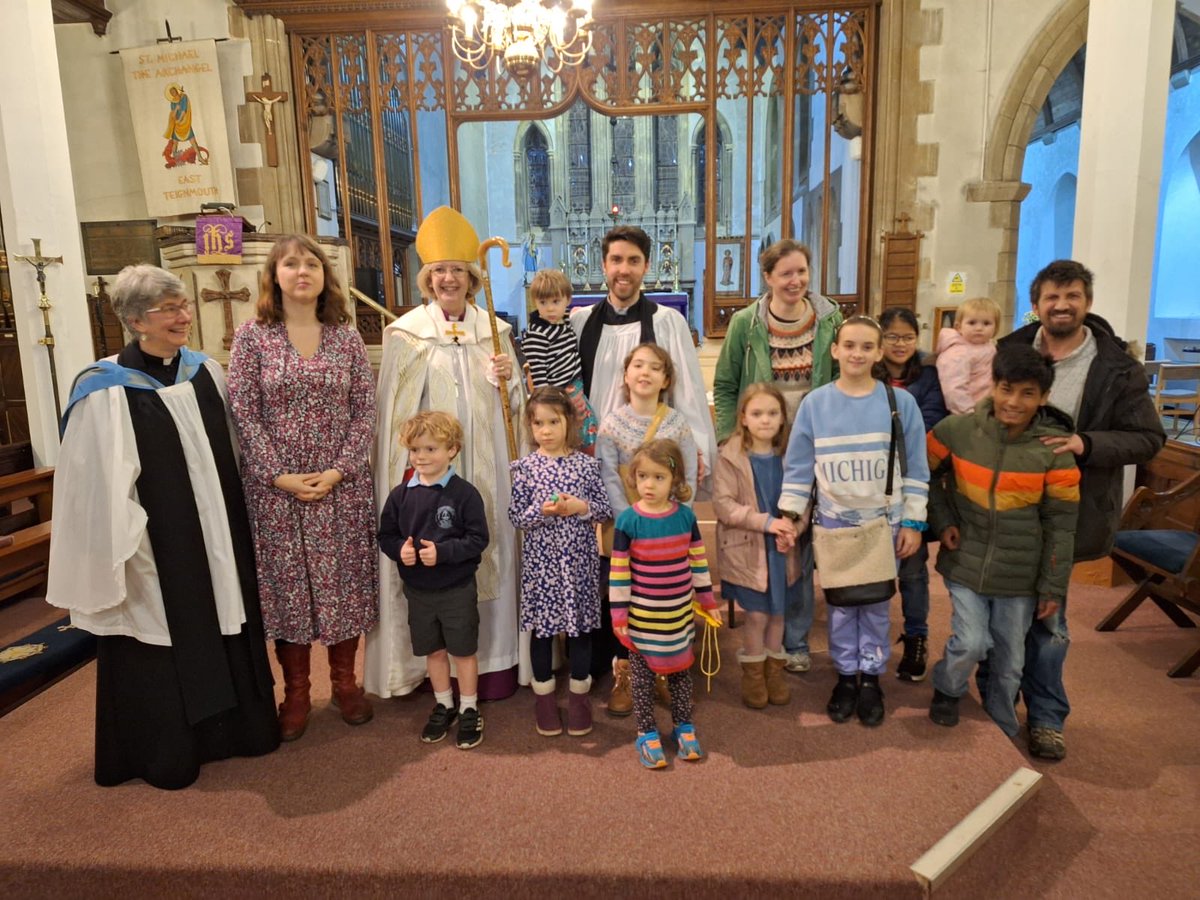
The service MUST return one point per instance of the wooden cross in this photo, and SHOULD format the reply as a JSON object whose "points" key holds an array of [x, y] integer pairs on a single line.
{"points": [[268, 98], [226, 296], [454, 332]]}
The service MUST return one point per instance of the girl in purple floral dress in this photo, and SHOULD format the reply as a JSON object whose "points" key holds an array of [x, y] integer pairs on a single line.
{"points": [[303, 402], [557, 499]]}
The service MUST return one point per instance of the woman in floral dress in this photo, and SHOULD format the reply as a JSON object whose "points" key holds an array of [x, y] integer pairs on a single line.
{"points": [[303, 401]]}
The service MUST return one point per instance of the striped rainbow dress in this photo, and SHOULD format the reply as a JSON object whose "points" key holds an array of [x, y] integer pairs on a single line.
{"points": [[658, 565]]}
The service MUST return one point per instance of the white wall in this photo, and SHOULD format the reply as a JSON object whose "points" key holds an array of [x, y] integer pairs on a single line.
{"points": [[982, 42]]}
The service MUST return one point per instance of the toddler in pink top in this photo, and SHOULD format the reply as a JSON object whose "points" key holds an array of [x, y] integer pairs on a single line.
{"points": [[964, 354]]}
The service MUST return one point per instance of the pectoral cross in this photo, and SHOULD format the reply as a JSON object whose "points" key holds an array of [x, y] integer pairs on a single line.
{"points": [[268, 98], [454, 332], [226, 296]]}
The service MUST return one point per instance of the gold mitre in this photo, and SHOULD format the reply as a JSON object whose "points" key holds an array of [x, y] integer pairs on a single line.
{"points": [[447, 235]]}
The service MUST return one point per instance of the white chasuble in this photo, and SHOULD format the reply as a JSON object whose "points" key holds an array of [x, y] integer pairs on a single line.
{"points": [[431, 363]]}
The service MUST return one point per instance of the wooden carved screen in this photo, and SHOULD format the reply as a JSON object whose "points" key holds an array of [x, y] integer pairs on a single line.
{"points": [[772, 138]]}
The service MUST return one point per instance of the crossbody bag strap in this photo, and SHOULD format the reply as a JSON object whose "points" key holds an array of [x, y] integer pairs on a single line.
{"points": [[897, 442]]}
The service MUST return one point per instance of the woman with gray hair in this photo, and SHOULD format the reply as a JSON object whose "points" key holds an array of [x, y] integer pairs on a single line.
{"points": [[151, 550]]}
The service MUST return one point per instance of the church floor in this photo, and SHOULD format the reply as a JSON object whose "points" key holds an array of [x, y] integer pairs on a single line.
{"points": [[787, 800]]}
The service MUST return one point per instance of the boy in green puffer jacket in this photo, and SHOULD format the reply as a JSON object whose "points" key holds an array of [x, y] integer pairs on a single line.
{"points": [[1004, 506]]}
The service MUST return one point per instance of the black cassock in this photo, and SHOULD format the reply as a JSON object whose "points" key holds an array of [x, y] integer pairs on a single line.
{"points": [[163, 711]]}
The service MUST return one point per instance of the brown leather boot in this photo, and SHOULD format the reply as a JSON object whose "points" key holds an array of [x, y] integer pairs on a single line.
{"points": [[347, 695], [754, 687], [778, 692], [620, 702], [293, 711]]}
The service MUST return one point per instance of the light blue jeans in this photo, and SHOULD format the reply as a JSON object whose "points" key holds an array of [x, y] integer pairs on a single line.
{"points": [[1042, 686], [798, 615], [992, 628]]}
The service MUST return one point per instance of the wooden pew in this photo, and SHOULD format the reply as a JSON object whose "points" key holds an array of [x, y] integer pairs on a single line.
{"points": [[24, 559]]}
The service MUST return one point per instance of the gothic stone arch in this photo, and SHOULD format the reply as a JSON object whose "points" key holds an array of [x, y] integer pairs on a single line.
{"points": [[1004, 153]]}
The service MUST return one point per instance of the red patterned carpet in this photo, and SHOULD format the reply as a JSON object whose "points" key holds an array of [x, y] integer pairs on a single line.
{"points": [[787, 800]]}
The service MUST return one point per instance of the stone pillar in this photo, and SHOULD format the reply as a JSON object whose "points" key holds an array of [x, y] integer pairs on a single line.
{"points": [[37, 199], [1120, 154]]}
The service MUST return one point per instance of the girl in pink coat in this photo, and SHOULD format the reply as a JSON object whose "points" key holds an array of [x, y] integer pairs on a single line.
{"points": [[964, 354]]}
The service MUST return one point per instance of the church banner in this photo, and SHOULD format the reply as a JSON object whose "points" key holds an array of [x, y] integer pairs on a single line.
{"points": [[179, 126]]}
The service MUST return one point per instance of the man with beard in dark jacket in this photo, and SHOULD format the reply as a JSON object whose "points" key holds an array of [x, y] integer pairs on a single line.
{"points": [[1105, 391]]}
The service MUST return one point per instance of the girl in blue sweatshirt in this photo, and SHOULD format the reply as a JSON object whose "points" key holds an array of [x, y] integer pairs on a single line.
{"points": [[839, 446]]}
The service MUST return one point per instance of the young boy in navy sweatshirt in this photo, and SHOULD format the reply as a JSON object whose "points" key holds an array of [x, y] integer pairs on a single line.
{"points": [[434, 527]]}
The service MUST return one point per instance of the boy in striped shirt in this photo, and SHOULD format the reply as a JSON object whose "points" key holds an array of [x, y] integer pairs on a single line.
{"points": [[552, 350]]}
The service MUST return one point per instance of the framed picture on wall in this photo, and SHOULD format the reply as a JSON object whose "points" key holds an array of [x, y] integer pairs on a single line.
{"points": [[729, 266], [943, 317]]}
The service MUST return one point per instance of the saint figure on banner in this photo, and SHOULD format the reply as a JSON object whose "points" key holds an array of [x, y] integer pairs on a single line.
{"points": [[179, 131]]}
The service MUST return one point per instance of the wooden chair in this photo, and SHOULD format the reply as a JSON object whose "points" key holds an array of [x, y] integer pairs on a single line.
{"points": [[1163, 563], [1179, 400]]}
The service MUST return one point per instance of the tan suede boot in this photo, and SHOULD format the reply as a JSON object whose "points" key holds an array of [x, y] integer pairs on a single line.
{"points": [[778, 692], [754, 686], [620, 702]]}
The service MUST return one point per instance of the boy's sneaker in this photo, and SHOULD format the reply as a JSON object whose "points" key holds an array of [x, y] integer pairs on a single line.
{"points": [[799, 661], [870, 701], [1046, 743], [912, 664], [844, 699], [439, 724], [689, 745], [470, 729], [943, 709], [650, 751]]}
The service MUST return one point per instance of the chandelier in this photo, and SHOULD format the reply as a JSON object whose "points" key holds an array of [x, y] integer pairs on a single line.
{"points": [[523, 33]]}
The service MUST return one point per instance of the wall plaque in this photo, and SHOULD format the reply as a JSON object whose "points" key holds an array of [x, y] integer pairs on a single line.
{"points": [[108, 247]]}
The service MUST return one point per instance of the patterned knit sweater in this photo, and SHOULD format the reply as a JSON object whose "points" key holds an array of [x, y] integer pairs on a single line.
{"points": [[658, 566], [621, 434]]}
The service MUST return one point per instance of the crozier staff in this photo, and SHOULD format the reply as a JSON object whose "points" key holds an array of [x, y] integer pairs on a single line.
{"points": [[439, 357]]}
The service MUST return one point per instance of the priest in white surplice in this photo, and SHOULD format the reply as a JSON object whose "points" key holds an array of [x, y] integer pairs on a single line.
{"points": [[607, 332], [611, 328], [440, 357]]}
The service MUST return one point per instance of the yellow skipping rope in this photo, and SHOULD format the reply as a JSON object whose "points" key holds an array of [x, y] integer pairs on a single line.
{"points": [[710, 650]]}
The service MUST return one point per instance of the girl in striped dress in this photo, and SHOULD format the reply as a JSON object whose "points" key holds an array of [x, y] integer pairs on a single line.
{"points": [[552, 350], [658, 569]]}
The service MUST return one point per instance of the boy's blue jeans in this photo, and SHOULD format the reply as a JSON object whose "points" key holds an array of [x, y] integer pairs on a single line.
{"points": [[1046, 646], [798, 616], [986, 627], [914, 591]]}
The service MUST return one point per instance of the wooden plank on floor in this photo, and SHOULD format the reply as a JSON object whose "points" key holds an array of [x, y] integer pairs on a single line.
{"points": [[940, 860]]}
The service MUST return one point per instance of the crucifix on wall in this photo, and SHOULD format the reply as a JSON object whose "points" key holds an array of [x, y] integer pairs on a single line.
{"points": [[268, 98], [226, 298]]}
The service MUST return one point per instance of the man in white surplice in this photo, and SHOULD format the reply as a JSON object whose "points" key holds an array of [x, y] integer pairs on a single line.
{"points": [[610, 329]]}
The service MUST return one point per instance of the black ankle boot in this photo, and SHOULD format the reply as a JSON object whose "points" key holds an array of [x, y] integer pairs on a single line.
{"points": [[870, 701], [845, 696], [912, 664]]}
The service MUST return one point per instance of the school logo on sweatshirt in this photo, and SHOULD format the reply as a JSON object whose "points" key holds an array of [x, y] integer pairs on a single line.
{"points": [[444, 517]]}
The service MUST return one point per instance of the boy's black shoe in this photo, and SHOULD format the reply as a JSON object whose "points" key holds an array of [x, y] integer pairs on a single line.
{"points": [[845, 696], [943, 709], [870, 701], [470, 729], [912, 664], [438, 725]]}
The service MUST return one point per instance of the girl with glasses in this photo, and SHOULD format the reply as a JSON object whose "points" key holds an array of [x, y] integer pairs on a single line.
{"points": [[905, 366]]}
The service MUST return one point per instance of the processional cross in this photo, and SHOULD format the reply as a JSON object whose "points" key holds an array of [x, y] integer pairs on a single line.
{"points": [[226, 297], [268, 98], [40, 262]]}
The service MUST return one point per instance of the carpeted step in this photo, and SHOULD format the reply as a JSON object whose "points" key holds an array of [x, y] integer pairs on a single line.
{"points": [[37, 660]]}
